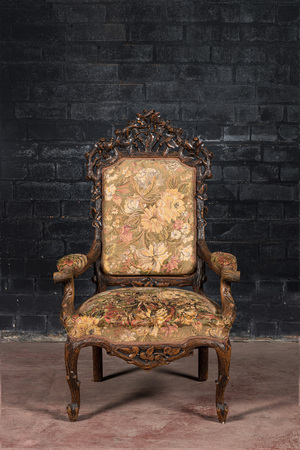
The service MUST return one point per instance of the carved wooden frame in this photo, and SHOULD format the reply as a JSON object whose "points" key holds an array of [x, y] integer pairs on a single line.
{"points": [[148, 136]]}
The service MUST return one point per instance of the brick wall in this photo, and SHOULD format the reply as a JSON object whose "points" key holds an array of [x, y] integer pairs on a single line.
{"points": [[226, 71]]}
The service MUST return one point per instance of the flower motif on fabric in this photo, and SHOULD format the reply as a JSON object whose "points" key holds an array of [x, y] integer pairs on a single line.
{"points": [[76, 261], [149, 217], [82, 326], [152, 258], [148, 315], [171, 205], [150, 220], [227, 260]]}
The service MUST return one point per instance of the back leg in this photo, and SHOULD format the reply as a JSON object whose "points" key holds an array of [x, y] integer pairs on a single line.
{"points": [[71, 358], [97, 363], [224, 356], [202, 363]]}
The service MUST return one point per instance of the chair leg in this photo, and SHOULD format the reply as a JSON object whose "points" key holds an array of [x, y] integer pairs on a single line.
{"points": [[202, 363], [97, 364], [71, 358], [224, 356]]}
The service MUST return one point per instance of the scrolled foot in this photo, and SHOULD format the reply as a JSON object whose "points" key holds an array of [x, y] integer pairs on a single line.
{"points": [[73, 410], [222, 411]]}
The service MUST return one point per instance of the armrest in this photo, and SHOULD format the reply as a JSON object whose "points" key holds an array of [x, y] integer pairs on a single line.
{"points": [[223, 264], [71, 266], [226, 264]]}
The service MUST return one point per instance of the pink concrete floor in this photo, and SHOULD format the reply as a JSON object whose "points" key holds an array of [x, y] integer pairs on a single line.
{"points": [[163, 409]]}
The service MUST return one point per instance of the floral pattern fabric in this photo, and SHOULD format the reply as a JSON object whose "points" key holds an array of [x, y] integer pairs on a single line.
{"points": [[148, 315], [227, 260], [149, 217], [76, 260]]}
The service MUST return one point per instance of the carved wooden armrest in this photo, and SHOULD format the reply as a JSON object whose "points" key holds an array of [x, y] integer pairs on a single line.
{"points": [[226, 266], [223, 264], [70, 266]]}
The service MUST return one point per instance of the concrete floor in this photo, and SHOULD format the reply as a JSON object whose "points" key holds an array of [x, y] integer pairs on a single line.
{"points": [[163, 409]]}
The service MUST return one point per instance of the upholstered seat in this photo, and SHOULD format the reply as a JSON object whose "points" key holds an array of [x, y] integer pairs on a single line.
{"points": [[148, 315]]}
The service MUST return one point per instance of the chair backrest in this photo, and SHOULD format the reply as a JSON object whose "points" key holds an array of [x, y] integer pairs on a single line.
{"points": [[148, 193]]}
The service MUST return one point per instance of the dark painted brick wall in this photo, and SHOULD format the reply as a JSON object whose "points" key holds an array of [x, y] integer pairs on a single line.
{"points": [[73, 71]]}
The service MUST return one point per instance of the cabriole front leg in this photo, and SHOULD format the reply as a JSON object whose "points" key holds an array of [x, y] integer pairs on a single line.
{"points": [[71, 358], [224, 356]]}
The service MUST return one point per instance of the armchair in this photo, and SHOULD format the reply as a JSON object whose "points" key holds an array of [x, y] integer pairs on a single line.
{"points": [[149, 219]]}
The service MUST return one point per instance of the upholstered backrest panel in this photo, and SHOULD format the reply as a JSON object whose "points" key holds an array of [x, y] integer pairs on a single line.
{"points": [[149, 218]]}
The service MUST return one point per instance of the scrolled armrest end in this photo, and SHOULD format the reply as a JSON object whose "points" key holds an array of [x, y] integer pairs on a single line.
{"points": [[70, 266], [64, 275], [230, 275], [224, 261]]}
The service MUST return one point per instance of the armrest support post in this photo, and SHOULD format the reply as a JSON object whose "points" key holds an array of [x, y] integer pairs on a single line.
{"points": [[224, 265], [67, 306], [70, 267], [228, 305]]}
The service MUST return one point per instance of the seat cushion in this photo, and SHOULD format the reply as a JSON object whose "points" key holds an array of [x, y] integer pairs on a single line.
{"points": [[148, 315]]}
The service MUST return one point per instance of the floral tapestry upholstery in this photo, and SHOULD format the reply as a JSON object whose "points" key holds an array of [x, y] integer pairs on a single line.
{"points": [[149, 217], [76, 261], [221, 259], [148, 315]]}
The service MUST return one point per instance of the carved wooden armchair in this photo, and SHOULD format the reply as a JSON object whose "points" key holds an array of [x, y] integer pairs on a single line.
{"points": [[149, 191]]}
